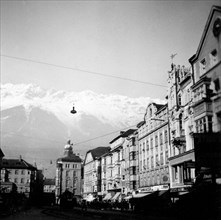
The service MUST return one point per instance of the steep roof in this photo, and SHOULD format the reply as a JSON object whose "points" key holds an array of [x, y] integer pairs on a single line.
{"points": [[213, 9], [70, 158], [124, 134], [1, 153], [17, 164], [99, 151], [49, 182]]}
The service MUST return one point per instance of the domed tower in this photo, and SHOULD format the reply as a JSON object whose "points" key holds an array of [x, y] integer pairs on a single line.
{"points": [[68, 149], [68, 172]]}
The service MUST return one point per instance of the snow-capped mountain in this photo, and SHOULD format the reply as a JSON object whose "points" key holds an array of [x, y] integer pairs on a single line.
{"points": [[35, 120]]}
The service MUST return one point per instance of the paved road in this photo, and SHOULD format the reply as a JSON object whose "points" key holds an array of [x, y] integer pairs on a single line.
{"points": [[77, 214]]}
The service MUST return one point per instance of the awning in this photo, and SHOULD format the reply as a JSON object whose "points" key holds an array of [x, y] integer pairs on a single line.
{"points": [[140, 195], [127, 197], [107, 197], [115, 197]]}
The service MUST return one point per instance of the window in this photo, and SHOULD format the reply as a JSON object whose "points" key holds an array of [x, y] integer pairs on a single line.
{"points": [[152, 163], [23, 172], [16, 172], [133, 140], [16, 180], [161, 138], [156, 140], [179, 100], [157, 160], [132, 155], [213, 57], [166, 136], [147, 163], [181, 123], [22, 180], [216, 84], [202, 66], [133, 170], [151, 143], [147, 145], [201, 125], [161, 158]]}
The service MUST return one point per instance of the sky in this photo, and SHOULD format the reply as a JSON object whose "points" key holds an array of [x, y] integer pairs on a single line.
{"points": [[122, 39]]}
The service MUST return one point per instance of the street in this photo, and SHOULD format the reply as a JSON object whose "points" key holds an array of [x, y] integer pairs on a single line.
{"points": [[77, 214]]}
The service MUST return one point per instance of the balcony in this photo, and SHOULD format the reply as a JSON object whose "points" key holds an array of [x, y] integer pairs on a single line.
{"points": [[110, 166], [117, 162], [117, 176], [133, 148], [133, 163], [133, 177]]}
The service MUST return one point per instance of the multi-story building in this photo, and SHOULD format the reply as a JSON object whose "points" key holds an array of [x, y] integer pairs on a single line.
{"points": [[206, 67], [153, 140], [182, 157], [49, 186], [68, 172], [21, 173], [115, 164], [92, 171], [131, 162]]}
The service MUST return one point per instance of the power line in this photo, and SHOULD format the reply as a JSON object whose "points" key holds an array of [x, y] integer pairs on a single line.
{"points": [[82, 70], [103, 135], [85, 141]]}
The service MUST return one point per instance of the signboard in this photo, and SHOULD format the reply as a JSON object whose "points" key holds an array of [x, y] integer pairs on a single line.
{"points": [[189, 164]]}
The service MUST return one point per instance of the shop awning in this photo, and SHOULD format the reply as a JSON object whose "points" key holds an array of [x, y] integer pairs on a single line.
{"points": [[140, 195], [107, 197], [127, 197], [115, 197]]}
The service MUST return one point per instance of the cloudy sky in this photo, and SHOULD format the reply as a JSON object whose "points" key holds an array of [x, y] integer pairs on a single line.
{"points": [[124, 39]]}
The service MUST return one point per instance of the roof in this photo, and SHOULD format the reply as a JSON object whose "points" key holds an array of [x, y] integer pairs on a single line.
{"points": [[70, 158], [213, 9], [124, 134], [1, 153], [49, 181], [99, 151], [17, 164]]}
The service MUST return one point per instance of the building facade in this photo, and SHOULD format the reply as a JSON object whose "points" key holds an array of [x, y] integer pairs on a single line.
{"points": [[206, 67], [92, 171], [68, 172], [182, 157], [49, 186], [116, 178], [21, 173], [153, 141]]}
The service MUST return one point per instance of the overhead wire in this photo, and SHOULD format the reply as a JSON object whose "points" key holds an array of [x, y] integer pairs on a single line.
{"points": [[81, 70]]}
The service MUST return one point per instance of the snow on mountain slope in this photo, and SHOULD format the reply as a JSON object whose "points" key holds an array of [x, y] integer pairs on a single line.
{"points": [[116, 110]]}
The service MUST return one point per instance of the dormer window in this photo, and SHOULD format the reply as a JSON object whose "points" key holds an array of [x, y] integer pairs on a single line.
{"points": [[213, 58], [202, 66]]}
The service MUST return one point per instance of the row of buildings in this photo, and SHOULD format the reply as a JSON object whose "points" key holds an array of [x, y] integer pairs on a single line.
{"points": [[175, 145]]}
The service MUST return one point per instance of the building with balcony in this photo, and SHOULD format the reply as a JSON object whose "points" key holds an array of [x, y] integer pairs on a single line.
{"points": [[116, 167], [154, 150], [68, 172], [206, 68], [92, 171], [182, 157]]}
